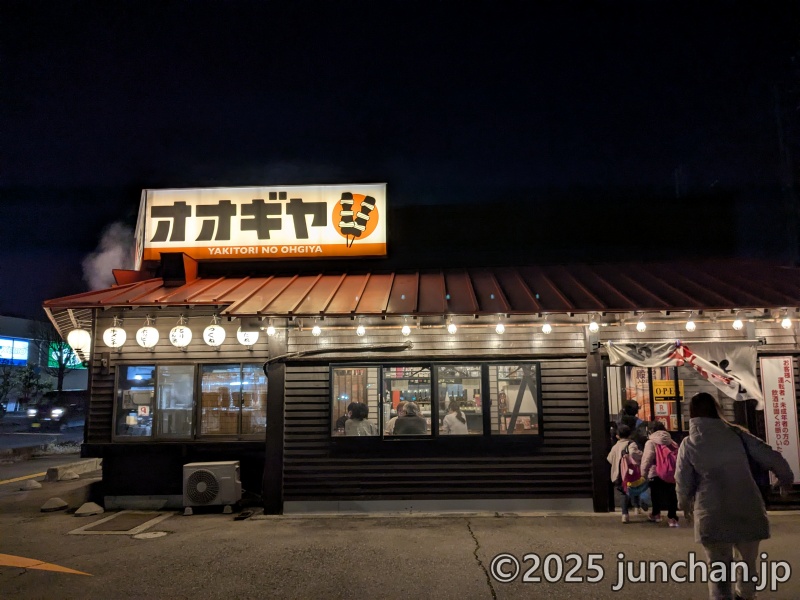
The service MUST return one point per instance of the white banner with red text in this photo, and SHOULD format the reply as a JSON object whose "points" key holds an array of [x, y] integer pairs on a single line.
{"points": [[780, 413], [731, 368]]}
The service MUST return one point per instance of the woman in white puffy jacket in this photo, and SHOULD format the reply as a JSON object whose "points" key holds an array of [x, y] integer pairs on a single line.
{"points": [[714, 483]]}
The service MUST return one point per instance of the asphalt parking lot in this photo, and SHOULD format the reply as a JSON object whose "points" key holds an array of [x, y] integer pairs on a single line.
{"points": [[354, 556]]}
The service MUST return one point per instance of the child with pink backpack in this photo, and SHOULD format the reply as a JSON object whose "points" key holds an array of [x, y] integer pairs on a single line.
{"points": [[624, 458], [658, 466]]}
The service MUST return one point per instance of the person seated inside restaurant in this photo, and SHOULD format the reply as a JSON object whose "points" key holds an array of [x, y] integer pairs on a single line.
{"points": [[389, 427], [342, 421], [454, 422], [411, 422], [357, 424]]}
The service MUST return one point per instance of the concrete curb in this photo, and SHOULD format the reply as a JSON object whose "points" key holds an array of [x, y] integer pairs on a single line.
{"points": [[82, 466]]}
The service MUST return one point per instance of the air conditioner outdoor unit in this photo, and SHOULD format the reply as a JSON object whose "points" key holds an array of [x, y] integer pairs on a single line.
{"points": [[211, 483]]}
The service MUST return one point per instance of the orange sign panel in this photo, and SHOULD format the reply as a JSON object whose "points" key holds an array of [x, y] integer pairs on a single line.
{"points": [[278, 222]]}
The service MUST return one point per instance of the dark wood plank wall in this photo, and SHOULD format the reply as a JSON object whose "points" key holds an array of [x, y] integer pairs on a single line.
{"points": [[559, 467], [100, 417]]}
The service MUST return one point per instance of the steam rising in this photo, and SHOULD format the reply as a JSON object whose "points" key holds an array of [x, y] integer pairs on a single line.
{"points": [[114, 252]]}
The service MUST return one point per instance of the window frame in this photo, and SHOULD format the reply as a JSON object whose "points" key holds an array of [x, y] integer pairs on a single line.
{"points": [[435, 436], [195, 435], [222, 437]]}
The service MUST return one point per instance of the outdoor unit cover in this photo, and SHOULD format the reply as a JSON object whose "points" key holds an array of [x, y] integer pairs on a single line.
{"points": [[211, 483]]}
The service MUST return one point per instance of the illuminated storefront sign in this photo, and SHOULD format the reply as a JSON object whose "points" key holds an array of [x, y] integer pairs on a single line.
{"points": [[13, 352], [263, 222]]}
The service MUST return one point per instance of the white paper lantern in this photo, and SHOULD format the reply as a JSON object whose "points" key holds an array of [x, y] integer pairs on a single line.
{"points": [[214, 335], [79, 340], [114, 337], [147, 337], [180, 336], [246, 338]]}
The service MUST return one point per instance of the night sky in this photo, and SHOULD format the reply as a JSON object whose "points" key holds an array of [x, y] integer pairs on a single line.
{"points": [[651, 124]]}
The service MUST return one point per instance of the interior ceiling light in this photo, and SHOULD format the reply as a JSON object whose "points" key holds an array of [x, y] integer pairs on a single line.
{"points": [[270, 329], [593, 326], [214, 334], [180, 335], [690, 326], [737, 323], [115, 336], [246, 338], [147, 336], [451, 327]]}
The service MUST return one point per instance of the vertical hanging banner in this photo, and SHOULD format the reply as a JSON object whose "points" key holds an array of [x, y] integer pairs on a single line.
{"points": [[280, 222], [780, 412]]}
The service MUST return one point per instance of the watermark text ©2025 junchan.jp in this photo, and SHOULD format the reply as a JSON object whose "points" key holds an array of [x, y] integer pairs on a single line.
{"points": [[577, 568]]}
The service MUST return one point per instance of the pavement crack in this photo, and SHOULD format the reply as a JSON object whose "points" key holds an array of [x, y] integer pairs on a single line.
{"points": [[480, 562]]}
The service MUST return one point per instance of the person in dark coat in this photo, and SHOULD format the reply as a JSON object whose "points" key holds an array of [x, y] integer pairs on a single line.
{"points": [[411, 423]]}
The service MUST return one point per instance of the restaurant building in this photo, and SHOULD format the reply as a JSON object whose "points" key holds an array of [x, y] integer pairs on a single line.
{"points": [[225, 345]]}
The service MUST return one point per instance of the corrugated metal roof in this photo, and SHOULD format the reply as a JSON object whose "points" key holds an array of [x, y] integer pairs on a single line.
{"points": [[509, 290]]}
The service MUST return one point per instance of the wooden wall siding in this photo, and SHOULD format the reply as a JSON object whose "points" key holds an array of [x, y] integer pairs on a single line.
{"points": [[560, 467], [479, 342], [100, 418]]}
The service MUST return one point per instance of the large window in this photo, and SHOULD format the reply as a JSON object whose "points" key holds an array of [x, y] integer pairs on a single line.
{"points": [[187, 401], [515, 389], [435, 400], [135, 393], [175, 386], [233, 400], [355, 401], [408, 399], [460, 406]]}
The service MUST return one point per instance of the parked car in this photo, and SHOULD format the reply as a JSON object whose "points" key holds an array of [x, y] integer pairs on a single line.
{"points": [[58, 410]]}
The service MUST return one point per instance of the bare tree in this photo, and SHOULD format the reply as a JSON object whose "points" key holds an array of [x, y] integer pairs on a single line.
{"points": [[8, 381], [55, 354]]}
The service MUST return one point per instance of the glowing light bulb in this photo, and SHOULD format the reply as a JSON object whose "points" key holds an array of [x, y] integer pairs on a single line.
{"points": [[316, 331], [547, 328], [737, 324], [594, 327], [500, 328], [451, 328], [361, 330], [641, 326], [406, 330], [270, 330], [690, 326], [786, 323]]}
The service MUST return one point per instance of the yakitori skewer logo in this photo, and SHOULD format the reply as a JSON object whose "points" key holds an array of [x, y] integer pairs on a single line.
{"points": [[355, 216]]}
